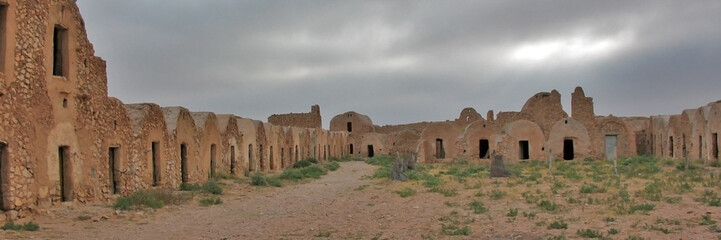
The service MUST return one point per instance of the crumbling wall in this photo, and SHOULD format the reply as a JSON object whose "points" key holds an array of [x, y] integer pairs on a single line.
{"points": [[545, 109], [467, 116], [304, 120]]}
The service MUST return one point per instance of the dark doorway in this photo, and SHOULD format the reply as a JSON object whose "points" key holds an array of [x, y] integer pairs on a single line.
{"points": [[670, 146], [714, 144], [523, 150], [232, 160], [684, 152], [271, 160], [251, 162], [3, 164], [370, 151], [66, 180], [351, 148], [700, 147], [440, 150], [212, 160], [483, 149], [296, 153], [155, 148], [349, 126], [282, 158], [113, 168], [568, 149], [184, 163]]}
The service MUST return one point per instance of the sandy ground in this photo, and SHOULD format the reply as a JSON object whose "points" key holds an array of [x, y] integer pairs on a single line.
{"points": [[347, 204]]}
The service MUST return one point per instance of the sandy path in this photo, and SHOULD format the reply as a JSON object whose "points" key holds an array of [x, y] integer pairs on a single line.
{"points": [[343, 204]]}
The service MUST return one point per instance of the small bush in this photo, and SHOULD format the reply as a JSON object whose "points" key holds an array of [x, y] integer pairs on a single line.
{"points": [[591, 188], [406, 192], [453, 230], [332, 166], [588, 233], [478, 207], [258, 179], [148, 198], [513, 212], [558, 225], [644, 207], [292, 174], [313, 172], [613, 231], [548, 205], [382, 172], [29, 226], [212, 187], [497, 194], [210, 201], [189, 187], [302, 164], [312, 160], [448, 192]]}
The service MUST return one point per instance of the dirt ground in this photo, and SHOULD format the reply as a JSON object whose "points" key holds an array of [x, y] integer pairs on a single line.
{"points": [[349, 204]]}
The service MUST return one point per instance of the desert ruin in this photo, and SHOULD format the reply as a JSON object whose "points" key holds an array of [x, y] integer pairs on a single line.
{"points": [[63, 139]]}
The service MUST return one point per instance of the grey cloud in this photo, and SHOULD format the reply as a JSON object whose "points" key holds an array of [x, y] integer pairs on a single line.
{"points": [[255, 58]]}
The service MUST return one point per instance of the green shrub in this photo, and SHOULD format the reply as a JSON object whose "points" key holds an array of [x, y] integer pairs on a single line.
{"points": [[588, 233], [513, 212], [210, 201], [497, 194], [312, 160], [302, 164], [644, 207], [258, 179], [292, 174], [548, 205], [313, 172], [149, 198], [453, 230], [332, 166], [613, 231], [448, 192], [558, 225], [432, 181], [29, 226], [406, 192], [382, 172], [478, 207], [591, 188], [212, 187], [189, 187]]}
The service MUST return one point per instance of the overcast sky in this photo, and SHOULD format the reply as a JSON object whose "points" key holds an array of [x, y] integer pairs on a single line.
{"points": [[407, 61]]}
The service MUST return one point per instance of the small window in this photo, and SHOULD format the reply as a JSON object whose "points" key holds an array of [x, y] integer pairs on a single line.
{"points": [[60, 51], [349, 126], [3, 35]]}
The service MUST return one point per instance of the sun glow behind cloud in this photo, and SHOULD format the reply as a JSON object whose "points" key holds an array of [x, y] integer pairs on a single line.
{"points": [[564, 49]]}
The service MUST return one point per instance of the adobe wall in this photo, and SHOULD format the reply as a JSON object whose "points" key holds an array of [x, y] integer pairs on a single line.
{"points": [[311, 119], [149, 127], [545, 109], [446, 133], [481, 130], [231, 145], [626, 141], [522, 130]]}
